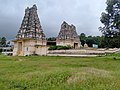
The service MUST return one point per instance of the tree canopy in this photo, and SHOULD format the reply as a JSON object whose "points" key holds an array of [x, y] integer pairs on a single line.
{"points": [[90, 40], [2, 41], [111, 22]]}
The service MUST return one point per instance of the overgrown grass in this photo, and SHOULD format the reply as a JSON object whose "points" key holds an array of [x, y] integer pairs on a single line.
{"points": [[60, 73]]}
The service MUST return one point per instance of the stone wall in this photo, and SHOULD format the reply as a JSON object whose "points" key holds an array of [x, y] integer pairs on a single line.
{"points": [[82, 52], [29, 47]]}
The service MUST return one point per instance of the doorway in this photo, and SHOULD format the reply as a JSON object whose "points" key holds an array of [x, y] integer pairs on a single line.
{"points": [[75, 45], [19, 47]]}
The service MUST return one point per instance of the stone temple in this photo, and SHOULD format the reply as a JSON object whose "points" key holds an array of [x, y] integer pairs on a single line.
{"points": [[68, 36], [30, 38]]}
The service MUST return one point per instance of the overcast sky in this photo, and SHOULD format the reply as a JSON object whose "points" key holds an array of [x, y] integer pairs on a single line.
{"points": [[84, 14]]}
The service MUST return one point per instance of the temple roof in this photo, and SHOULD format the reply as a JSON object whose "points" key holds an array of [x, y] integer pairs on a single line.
{"points": [[67, 32], [31, 27]]}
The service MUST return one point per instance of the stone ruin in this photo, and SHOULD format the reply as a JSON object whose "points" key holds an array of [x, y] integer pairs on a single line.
{"points": [[68, 36]]}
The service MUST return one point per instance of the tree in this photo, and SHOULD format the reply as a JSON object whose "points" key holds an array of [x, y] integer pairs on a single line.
{"points": [[3, 41], [90, 40], [97, 40], [52, 39], [83, 39], [111, 21]]}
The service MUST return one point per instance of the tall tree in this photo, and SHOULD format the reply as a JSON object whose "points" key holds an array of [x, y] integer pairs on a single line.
{"points": [[90, 40], [3, 41], [111, 21], [83, 38]]}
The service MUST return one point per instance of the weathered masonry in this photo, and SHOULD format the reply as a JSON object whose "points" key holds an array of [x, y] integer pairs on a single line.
{"points": [[30, 38], [68, 36]]}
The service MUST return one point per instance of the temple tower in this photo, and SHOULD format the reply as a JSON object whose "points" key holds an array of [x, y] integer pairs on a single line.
{"points": [[30, 38], [68, 36], [30, 27]]}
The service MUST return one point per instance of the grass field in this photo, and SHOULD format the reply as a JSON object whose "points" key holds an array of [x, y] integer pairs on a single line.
{"points": [[59, 73]]}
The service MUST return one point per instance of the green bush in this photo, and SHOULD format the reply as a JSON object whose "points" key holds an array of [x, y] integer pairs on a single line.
{"points": [[52, 48], [60, 47], [0, 50]]}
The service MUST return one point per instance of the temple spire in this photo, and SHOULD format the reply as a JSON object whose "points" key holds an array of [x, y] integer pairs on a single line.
{"points": [[68, 36], [31, 27], [68, 32]]}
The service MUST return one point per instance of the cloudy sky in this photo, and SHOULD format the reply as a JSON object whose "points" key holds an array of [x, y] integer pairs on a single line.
{"points": [[84, 14]]}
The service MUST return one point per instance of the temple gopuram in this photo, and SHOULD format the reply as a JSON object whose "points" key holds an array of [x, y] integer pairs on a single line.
{"points": [[68, 36], [30, 38]]}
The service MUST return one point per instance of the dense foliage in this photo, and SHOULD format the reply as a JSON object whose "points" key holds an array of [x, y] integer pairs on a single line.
{"points": [[111, 21], [90, 40], [51, 39], [59, 47], [2, 41], [0, 51]]}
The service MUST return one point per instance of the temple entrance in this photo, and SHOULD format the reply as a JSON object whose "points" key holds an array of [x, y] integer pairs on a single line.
{"points": [[51, 43], [75, 45], [19, 48]]}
